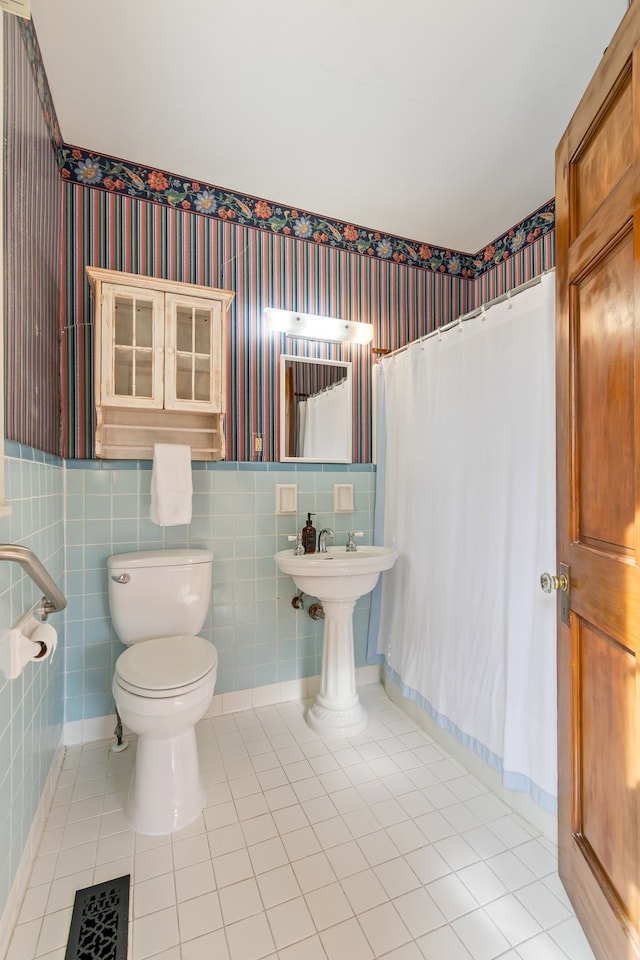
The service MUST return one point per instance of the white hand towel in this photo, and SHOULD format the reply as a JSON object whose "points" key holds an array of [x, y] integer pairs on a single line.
{"points": [[171, 484]]}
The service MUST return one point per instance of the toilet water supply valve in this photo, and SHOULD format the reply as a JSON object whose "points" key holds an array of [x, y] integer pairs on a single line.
{"points": [[120, 743]]}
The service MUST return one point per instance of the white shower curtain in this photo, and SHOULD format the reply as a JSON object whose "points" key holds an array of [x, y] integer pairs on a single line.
{"points": [[466, 491], [301, 409], [327, 424]]}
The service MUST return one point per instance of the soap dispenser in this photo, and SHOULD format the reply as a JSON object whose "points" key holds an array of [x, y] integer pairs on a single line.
{"points": [[309, 535]]}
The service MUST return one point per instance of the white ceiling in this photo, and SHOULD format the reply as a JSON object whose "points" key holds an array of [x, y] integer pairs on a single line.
{"points": [[433, 122]]}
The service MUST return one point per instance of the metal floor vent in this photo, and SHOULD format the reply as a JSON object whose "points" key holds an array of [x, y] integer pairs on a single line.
{"points": [[99, 922]]}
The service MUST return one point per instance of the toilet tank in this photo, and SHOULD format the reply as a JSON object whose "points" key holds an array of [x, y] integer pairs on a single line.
{"points": [[159, 593]]}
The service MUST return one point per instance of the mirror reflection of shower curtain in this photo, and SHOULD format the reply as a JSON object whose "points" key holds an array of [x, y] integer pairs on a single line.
{"points": [[326, 435]]}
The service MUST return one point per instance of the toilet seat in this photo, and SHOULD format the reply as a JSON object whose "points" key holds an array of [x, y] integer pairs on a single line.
{"points": [[166, 666]]}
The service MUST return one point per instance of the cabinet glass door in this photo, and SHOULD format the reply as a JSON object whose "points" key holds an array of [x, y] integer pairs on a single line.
{"points": [[132, 345], [192, 354]]}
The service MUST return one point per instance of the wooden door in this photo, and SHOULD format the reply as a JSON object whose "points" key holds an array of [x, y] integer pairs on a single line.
{"points": [[598, 396]]}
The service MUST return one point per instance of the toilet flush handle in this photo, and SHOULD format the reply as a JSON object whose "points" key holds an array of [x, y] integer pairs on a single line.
{"points": [[123, 578]]}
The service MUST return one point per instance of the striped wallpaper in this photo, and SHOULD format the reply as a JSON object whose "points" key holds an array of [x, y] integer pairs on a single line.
{"points": [[31, 707], [311, 378], [108, 228], [531, 261], [264, 269], [32, 250]]}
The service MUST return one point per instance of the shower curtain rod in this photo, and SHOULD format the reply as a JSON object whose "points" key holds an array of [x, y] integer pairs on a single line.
{"points": [[330, 386], [472, 313]]}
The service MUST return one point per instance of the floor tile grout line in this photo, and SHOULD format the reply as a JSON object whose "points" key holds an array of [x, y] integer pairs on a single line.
{"points": [[288, 749]]}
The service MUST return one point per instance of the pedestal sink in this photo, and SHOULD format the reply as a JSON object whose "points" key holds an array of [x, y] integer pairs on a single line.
{"points": [[337, 578]]}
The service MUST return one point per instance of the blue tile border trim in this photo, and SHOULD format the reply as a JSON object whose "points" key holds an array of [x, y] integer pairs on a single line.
{"points": [[511, 780], [21, 451], [219, 465], [113, 175]]}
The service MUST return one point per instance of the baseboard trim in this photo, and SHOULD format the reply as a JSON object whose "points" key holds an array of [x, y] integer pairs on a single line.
{"points": [[520, 803], [76, 732], [11, 911], [101, 728]]}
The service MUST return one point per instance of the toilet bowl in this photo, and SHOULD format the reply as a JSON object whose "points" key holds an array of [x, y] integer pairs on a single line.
{"points": [[162, 684], [166, 793]]}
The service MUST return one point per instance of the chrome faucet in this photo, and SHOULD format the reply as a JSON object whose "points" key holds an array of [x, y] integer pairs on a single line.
{"points": [[322, 539]]}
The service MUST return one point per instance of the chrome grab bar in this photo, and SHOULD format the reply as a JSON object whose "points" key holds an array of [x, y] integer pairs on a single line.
{"points": [[53, 600]]}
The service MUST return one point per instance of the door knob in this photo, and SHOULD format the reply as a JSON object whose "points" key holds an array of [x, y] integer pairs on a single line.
{"points": [[549, 582]]}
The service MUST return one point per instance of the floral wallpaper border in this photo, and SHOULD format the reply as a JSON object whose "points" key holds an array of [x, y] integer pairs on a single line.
{"points": [[78, 165], [37, 69]]}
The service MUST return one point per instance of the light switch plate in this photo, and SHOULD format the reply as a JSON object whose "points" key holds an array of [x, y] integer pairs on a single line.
{"points": [[343, 498], [286, 497]]}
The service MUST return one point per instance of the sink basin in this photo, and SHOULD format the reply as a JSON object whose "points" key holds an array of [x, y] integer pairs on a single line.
{"points": [[337, 578], [337, 574]]}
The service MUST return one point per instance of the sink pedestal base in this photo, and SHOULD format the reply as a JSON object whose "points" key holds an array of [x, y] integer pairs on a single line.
{"points": [[337, 711]]}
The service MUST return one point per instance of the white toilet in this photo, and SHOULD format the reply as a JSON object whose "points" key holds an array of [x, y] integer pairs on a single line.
{"points": [[164, 682]]}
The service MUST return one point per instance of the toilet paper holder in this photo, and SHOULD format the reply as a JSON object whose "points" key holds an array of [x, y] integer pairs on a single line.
{"points": [[29, 641]]}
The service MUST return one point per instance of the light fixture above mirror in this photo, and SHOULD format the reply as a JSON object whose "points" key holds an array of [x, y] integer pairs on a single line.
{"points": [[313, 327]]}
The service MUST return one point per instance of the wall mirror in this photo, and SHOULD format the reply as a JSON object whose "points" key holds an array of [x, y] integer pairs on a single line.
{"points": [[5, 508], [316, 410]]}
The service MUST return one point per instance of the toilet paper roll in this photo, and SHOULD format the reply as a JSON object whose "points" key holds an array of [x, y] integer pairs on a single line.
{"points": [[46, 640]]}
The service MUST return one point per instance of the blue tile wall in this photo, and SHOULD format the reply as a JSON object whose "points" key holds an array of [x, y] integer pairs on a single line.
{"points": [[260, 638], [31, 706], [74, 516]]}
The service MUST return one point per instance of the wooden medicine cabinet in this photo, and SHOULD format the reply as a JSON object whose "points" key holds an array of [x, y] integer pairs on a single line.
{"points": [[159, 365]]}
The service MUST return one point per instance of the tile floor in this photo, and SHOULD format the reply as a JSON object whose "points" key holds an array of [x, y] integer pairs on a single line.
{"points": [[379, 846]]}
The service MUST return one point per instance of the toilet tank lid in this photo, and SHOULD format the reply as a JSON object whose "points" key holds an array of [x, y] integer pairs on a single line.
{"points": [[159, 558]]}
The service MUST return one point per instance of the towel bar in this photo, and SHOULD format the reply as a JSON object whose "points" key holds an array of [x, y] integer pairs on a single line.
{"points": [[53, 600]]}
